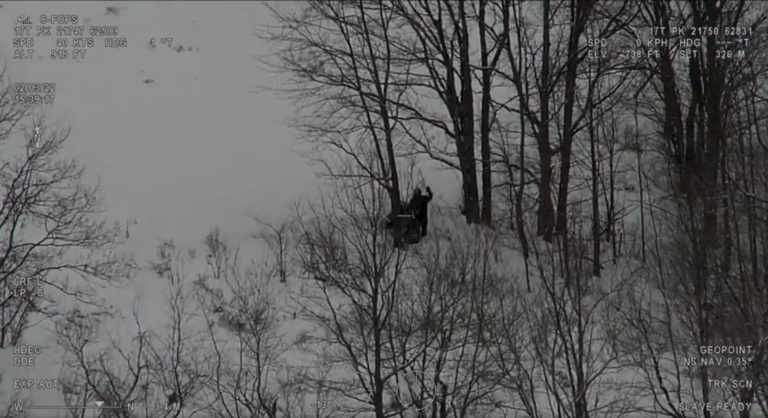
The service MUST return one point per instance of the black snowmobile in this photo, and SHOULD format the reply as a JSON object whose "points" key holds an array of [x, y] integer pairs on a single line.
{"points": [[411, 223]]}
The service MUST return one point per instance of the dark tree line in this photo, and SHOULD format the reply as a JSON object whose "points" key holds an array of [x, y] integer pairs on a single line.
{"points": [[654, 156]]}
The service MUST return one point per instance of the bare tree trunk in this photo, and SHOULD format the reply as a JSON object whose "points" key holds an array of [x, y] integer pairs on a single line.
{"points": [[595, 172], [696, 146], [466, 140], [611, 209], [519, 205], [546, 212], [520, 73], [488, 67], [580, 14], [437, 47], [639, 151], [382, 86], [346, 72]]}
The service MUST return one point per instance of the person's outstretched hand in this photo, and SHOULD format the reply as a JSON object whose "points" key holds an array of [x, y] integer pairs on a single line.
{"points": [[429, 189]]}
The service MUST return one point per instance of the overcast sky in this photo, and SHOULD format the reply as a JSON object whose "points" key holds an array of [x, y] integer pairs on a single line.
{"points": [[196, 147]]}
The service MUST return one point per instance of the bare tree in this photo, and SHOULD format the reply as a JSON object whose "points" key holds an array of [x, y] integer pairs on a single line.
{"points": [[550, 344], [694, 105], [547, 87], [344, 77], [401, 332], [446, 72], [11, 111], [447, 312], [99, 370], [50, 224], [218, 354], [175, 355], [490, 56], [277, 238], [244, 376], [355, 275], [539, 121], [606, 90], [148, 372]]}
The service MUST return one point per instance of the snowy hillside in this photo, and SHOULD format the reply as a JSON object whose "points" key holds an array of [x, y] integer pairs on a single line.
{"points": [[208, 215]]}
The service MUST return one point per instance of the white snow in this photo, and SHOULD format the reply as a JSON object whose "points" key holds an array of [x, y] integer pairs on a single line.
{"points": [[182, 144]]}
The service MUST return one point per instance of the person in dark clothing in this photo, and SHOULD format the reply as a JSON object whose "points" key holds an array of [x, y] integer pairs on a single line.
{"points": [[420, 209]]}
